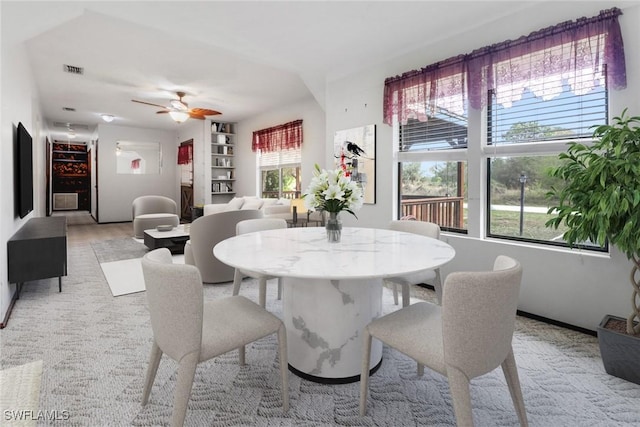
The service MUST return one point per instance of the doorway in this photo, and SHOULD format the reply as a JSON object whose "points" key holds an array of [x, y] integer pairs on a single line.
{"points": [[185, 162]]}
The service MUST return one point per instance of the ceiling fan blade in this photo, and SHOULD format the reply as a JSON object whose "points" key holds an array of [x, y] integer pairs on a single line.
{"points": [[149, 103], [162, 112], [196, 116], [204, 112]]}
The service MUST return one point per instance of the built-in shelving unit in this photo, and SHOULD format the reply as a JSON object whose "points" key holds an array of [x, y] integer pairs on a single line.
{"points": [[222, 161], [70, 176]]}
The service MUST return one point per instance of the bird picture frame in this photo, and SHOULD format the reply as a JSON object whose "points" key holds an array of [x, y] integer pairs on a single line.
{"points": [[354, 151]]}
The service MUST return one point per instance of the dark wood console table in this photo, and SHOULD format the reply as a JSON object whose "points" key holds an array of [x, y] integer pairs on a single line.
{"points": [[38, 251]]}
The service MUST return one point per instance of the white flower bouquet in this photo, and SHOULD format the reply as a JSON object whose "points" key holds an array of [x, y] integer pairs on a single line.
{"points": [[333, 192]]}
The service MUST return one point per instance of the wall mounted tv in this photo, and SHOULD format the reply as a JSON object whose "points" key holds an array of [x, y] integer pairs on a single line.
{"points": [[23, 172]]}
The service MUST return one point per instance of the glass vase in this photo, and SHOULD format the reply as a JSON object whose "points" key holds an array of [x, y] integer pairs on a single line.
{"points": [[334, 228]]}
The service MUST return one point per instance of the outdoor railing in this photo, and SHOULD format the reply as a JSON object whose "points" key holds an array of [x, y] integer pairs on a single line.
{"points": [[285, 194], [444, 211]]}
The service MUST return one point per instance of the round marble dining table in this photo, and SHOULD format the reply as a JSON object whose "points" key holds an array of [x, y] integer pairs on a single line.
{"points": [[331, 291]]}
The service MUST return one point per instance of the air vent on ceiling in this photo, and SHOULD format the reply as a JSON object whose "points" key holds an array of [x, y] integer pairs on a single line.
{"points": [[68, 109], [70, 125], [72, 69]]}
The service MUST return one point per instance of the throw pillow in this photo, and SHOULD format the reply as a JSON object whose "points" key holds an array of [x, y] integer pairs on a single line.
{"points": [[235, 204], [252, 204]]}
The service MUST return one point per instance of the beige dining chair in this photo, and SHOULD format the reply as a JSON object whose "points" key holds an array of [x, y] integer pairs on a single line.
{"points": [[250, 226], [190, 330], [430, 276], [468, 336]]}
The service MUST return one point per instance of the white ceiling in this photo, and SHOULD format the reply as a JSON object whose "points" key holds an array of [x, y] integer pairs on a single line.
{"points": [[237, 57]]}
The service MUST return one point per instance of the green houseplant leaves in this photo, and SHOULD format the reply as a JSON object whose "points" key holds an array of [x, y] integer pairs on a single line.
{"points": [[600, 200]]}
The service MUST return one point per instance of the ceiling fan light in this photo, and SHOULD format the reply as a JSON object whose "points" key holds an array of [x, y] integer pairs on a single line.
{"points": [[178, 105], [179, 116]]}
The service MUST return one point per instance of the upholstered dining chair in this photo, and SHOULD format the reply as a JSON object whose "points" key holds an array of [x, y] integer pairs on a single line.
{"points": [[468, 336], [206, 232], [190, 330], [250, 226], [431, 277]]}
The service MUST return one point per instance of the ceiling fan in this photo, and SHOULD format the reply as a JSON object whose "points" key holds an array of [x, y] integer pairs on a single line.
{"points": [[180, 111]]}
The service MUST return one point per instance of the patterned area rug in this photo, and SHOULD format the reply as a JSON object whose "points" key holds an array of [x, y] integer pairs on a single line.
{"points": [[20, 393], [95, 350], [118, 249]]}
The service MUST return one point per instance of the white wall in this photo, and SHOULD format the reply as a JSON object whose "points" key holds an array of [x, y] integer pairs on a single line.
{"points": [[116, 192], [568, 286], [313, 146], [19, 104]]}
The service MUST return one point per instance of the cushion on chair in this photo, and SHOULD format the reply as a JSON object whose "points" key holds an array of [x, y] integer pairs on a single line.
{"points": [[250, 321], [148, 221], [407, 325]]}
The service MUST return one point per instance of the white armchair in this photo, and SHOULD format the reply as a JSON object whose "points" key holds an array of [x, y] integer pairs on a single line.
{"points": [[151, 211], [205, 233]]}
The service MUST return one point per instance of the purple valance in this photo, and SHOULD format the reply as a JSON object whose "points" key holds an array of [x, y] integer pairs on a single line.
{"points": [[573, 52]]}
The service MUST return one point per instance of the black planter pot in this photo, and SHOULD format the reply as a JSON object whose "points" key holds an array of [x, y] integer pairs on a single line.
{"points": [[620, 352]]}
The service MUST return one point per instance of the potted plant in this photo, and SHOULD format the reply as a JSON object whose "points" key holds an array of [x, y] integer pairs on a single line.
{"points": [[600, 202]]}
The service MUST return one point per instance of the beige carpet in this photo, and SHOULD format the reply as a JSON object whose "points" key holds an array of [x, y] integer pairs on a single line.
{"points": [[95, 351], [19, 394]]}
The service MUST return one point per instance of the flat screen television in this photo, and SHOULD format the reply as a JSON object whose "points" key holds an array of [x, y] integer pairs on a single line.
{"points": [[24, 172]]}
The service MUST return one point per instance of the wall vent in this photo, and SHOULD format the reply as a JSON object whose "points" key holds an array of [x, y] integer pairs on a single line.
{"points": [[67, 125], [72, 69], [65, 201]]}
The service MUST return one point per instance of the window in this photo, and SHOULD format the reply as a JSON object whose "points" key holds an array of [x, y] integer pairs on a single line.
{"points": [[279, 158], [434, 192], [280, 174], [484, 127]]}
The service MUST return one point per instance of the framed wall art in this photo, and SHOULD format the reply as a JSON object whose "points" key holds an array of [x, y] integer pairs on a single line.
{"points": [[354, 151]]}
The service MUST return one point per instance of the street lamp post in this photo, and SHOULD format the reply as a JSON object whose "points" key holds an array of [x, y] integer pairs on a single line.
{"points": [[523, 180]]}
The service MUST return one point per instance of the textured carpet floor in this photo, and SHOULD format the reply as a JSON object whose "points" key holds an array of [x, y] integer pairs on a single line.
{"points": [[95, 350], [20, 394]]}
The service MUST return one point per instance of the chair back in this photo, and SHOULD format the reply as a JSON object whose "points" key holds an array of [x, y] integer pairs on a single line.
{"points": [[153, 204], [260, 224], [478, 316], [209, 230], [429, 229], [175, 300]]}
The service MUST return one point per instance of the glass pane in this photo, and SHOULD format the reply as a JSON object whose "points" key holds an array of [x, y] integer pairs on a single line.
{"points": [[517, 198], [533, 119], [291, 186], [435, 192], [271, 183]]}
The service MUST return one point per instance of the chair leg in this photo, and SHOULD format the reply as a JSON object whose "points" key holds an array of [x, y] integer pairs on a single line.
{"points": [[395, 293], [364, 374], [152, 369], [420, 369], [262, 292], [461, 396], [186, 373], [511, 375], [406, 295], [284, 366], [241, 355], [237, 281], [437, 285], [279, 288]]}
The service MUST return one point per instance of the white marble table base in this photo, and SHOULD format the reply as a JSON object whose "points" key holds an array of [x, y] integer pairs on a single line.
{"points": [[324, 321]]}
